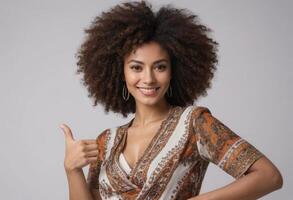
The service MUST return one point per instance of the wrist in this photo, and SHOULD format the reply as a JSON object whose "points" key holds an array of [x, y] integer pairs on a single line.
{"points": [[69, 170]]}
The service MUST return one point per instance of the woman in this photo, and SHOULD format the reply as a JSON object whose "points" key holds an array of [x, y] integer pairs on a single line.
{"points": [[156, 65]]}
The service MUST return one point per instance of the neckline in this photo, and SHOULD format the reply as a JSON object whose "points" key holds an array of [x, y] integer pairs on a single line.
{"points": [[168, 115], [149, 146]]}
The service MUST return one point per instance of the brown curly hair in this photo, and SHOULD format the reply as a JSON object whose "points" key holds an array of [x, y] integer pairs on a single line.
{"points": [[115, 33]]}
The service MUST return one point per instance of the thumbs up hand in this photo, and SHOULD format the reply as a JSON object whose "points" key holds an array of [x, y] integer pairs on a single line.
{"points": [[78, 153]]}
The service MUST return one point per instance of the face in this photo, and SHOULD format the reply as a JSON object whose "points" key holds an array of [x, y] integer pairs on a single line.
{"points": [[148, 73]]}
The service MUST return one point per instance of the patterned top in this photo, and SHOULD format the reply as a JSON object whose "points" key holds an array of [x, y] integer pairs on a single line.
{"points": [[175, 162]]}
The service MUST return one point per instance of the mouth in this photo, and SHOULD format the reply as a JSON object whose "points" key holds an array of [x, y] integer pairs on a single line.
{"points": [[151, 91]]}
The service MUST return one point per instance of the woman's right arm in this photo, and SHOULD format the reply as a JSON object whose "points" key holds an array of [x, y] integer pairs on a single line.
{"points": [[78, 154], [78, 189]]}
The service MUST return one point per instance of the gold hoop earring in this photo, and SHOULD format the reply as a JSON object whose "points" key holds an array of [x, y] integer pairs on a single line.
{"points": [[125, 93]]}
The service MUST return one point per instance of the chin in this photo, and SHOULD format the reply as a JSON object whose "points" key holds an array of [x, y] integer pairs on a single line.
{"points": [[150, 101]]}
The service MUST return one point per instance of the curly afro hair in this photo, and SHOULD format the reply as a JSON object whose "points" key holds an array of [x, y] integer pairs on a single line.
{"points": [[125, 27]]}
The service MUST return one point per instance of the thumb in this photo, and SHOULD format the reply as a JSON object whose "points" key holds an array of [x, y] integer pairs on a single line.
{"points": [[67, 132]]}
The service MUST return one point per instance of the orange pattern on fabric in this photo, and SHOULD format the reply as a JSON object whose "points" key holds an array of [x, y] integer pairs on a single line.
{"points": [[203, 139]]}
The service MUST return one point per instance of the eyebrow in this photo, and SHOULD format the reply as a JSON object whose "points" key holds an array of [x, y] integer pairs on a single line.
{"points": [[137, 61]]}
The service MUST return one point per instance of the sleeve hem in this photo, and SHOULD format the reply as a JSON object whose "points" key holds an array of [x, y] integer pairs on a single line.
{"points": [[239, 158], [251, 161]]}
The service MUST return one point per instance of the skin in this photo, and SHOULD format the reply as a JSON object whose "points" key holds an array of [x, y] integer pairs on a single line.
{"points": [[261, 178], [78, 154], [149, 66]]}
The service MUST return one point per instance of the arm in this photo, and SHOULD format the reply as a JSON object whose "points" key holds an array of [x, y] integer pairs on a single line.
{"points": [[79, 154], [260, 179], [78, 188], [256, 175]]}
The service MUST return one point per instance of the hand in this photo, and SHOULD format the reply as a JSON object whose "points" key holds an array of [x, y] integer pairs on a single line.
{"points": [[78, 154]]}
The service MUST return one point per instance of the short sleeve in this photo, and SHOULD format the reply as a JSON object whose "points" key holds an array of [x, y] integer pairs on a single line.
{"points": [[218, 144], [94, 168]]}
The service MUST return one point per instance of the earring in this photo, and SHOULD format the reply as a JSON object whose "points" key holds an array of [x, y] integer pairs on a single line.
{"points": [[169, 94], [125, 93]]}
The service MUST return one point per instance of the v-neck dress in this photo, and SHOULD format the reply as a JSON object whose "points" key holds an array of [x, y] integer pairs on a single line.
{"points": [[174, 163]]}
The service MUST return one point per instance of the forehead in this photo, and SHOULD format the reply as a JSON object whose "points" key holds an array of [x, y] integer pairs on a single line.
{"points": [[148, 52]]}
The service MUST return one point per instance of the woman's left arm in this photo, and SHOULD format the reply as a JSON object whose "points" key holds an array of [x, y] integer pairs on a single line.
{"points": [[261, 178]]}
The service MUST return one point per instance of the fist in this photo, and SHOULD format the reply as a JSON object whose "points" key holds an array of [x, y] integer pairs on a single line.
{"points": [[78, 153]]}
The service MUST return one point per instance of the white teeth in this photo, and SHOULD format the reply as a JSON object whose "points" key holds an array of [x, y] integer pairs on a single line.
{"points": [[148, 91], [148, 88]]}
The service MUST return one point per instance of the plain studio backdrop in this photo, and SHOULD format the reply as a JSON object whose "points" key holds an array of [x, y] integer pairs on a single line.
{"points": [[251, 92]]}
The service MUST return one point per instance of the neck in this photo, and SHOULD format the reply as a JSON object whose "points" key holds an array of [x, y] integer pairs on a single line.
{"points": [[146, 114]]}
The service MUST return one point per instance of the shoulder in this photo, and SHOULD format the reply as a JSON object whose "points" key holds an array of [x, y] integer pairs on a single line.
{"points": [[108, 139], [110, 132], [105, 141], [102, 136], [200, 114], [198, 110]]}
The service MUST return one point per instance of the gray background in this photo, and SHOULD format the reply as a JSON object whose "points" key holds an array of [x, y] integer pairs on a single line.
{"points": [[251, 92]]}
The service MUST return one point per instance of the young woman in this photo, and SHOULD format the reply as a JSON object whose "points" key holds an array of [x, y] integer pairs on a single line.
{"points": [[156, 65]]}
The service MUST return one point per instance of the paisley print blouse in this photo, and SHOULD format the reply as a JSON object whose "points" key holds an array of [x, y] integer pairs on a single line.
{"points": [[175, 162]]}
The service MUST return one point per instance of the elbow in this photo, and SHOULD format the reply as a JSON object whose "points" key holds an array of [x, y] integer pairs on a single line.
{"points": [[271, 175], [277, 180], [273, 178]]}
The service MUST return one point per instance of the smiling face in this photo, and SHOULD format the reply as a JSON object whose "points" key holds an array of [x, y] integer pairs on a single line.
{"points": [[148, 73]]}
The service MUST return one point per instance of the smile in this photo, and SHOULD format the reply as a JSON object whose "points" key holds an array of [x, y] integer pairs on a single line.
{"points": [[148, 91]]}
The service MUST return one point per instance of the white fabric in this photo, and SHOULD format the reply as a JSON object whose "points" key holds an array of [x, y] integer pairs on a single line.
{"points": [[124, 164]]}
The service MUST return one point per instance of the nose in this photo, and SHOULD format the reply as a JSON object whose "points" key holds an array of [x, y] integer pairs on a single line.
{"points": [[149, 77]]}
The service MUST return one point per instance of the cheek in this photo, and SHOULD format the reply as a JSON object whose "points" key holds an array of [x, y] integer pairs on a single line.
{"points": [[131, 78], [164, 78]]}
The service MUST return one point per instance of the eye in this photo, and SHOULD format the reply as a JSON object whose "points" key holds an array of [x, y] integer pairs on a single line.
{"points": [[135, 67], [161, 67]]}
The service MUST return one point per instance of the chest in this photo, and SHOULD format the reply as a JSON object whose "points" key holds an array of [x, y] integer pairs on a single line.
{"points": [[147, 152], [158, 155], [137, 142]]}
